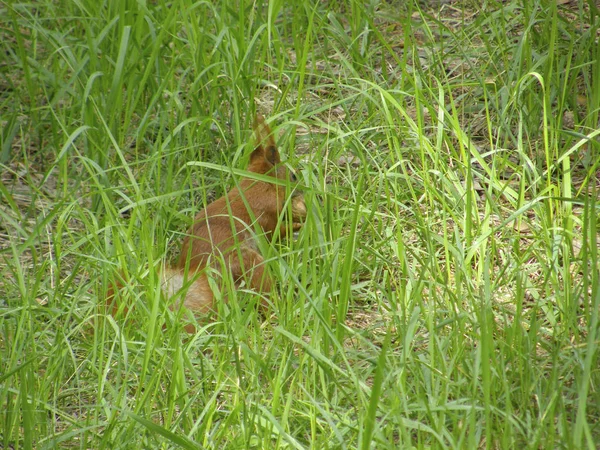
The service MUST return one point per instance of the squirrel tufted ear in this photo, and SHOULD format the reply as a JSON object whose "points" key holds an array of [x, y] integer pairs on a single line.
{"points": [[266, 148], [272, 155]]}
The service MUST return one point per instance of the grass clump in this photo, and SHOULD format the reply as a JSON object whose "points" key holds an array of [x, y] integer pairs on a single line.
{"points": [[443, 292]]}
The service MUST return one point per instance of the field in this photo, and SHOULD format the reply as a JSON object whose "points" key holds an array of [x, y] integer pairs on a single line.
{"points": [[444, 291]]}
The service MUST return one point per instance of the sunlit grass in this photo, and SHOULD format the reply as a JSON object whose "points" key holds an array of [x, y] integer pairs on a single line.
{"points": [[443, 292]]}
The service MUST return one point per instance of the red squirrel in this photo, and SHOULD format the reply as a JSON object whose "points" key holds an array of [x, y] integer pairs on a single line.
{"points": [[223, 233]]}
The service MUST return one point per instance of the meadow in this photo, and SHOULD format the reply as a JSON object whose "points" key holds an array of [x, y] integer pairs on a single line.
{"points": [[444, 291]]}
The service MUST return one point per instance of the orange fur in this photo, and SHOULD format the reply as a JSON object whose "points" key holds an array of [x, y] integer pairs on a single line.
{"points": [[222, 234]]}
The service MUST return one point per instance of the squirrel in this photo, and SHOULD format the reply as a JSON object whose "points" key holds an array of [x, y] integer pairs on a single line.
{"points": [[222, 236]]}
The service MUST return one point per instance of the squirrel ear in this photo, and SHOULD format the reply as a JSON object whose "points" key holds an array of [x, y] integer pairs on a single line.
{"points": [[272, 155], [265, 143]]}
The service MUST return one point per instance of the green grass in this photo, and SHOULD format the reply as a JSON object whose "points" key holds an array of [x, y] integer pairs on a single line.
{"points": [[443, 293]]}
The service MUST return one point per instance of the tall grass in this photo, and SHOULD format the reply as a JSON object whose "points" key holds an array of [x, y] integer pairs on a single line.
{"points": [[443, 292]]}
